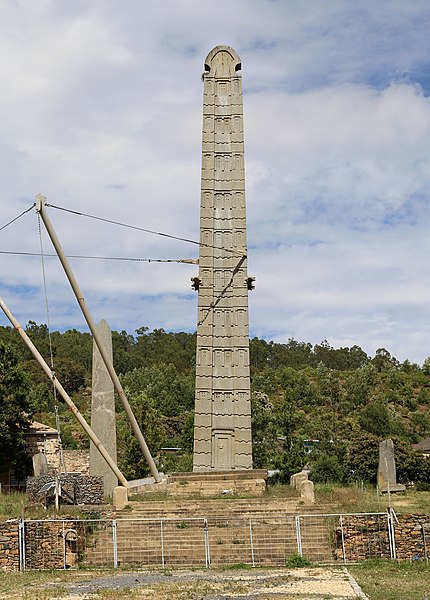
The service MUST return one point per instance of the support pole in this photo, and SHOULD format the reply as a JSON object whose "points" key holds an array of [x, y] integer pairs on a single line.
{"points": [[40, 205], [64, 394]]}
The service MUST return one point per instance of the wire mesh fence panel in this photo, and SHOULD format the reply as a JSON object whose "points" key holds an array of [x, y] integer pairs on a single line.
{"points": [[139, 542], [95, 543], [274, 540], [317, 537], [44, 545], [256, 541], [412, 537], [185, 542], [229, 541], [65, 544], [161, 542], [361, 536]]}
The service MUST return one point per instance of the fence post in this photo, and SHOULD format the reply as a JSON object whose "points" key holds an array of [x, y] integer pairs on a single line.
{"points": [[21, 544], [343, 538], [207, 548], [391, 534], [298, 536], [115, 543], [423, 531], [252, 542], [162, 542], [64, 548]]}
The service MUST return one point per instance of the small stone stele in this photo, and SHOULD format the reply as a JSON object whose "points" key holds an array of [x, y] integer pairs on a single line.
{"points": [[40, 464], [120, 497], [297, 478], [307, 492]]}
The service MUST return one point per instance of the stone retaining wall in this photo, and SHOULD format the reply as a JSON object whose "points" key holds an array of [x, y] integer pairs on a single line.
{"points": [[85, 489], [9, 545], [363, 539], [412, 534], [53, 544]]}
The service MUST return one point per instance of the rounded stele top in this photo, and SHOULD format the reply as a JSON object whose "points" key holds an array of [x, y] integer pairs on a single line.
{"points": [[222, 61]]}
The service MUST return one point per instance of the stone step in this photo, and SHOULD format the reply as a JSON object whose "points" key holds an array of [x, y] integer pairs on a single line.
{"points": [[180, 524], [224, 510]]}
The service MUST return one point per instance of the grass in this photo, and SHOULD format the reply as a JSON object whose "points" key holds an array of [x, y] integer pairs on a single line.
{"points": [[12, 505], [21, 584], [16, 504], [388, 580], [351, 499], [238, 567]]}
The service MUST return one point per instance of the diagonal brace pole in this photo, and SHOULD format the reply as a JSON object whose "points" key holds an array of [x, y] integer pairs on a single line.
{"points": [[40, 208]]}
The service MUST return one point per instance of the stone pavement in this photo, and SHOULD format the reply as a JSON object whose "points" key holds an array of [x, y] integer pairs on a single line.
{"points": [[318, 583]]}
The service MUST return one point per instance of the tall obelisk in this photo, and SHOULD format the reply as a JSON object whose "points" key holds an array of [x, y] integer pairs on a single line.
{"points": [[222, 422]]}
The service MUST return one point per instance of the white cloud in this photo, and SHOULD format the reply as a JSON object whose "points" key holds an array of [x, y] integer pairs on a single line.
{"points": [[101, 112]]}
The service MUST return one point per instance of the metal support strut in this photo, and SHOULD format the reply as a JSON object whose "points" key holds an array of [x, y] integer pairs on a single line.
{"points": [[40, 207]]}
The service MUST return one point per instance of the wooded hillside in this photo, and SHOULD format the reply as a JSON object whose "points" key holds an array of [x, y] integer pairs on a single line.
{"points": [[341, 397]]}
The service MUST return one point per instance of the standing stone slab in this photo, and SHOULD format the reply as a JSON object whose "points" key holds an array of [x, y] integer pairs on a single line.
{"points": [[40, 464], [387, 480], [297, 478], [103, 412], [307, 491], [222, 426]]}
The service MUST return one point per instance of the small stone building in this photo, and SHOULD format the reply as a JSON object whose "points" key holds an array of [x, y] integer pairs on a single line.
{"points": [[43, 438], [423, 447]]}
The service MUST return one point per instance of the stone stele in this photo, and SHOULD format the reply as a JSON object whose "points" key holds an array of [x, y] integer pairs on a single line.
{"points": [[297, 478], [387, 468], [307, 492], [222, 422], [40, 464], [103, 412]]}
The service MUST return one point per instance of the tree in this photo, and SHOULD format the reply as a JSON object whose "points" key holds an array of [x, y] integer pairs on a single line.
{"points": [[15, 410], [375, 419], [171, 391], [383, 360], [362, 457], [130, 456], [263, 431], [292, 460]]}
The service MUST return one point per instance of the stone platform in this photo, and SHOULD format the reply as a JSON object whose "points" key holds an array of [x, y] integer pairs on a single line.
{"points": [[214, 483], [393, 488]]}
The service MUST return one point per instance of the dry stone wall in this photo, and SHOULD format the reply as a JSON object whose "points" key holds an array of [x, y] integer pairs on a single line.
{"points": [[9, 545], [412, 534], [54, 544], [84, 489], [364, 538]]}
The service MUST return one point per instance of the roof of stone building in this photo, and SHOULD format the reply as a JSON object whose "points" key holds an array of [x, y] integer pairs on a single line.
{"points": [[37, 428], [423, 446]]}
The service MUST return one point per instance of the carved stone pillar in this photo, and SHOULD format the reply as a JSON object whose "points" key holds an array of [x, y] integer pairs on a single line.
{"points": [[222, 426]]}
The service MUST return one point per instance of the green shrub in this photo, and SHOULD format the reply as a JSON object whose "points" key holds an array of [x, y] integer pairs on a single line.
{"points": [[295, 561]]}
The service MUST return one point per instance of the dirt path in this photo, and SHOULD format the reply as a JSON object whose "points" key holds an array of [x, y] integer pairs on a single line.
{"points": [[319, 583]]}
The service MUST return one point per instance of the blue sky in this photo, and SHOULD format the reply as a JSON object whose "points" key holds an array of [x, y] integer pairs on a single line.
{"points": [[101, 112]]}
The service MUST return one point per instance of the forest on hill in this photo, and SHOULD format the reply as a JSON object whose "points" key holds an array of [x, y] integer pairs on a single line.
{"points": [[342, 397]]}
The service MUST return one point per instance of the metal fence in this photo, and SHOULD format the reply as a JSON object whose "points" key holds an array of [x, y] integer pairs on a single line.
{"points": [[256, 541]]}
